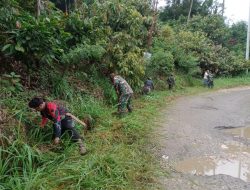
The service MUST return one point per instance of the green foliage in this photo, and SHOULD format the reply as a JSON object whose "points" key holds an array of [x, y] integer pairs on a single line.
{"points": [[186, 62], [36, 42], [79, 26], [109, 93], [175, 9], [8, 13], [162, 63], [167, 33], [132, 68], [234, 65], [126, 34], [194, 49], [189, 47], [116, 159], [192, 41], [60, 87], [180, 51], [237, 38], [111, 36], [84, 53], [108, 32], [11, 84], [18, 157], [213, 26]]}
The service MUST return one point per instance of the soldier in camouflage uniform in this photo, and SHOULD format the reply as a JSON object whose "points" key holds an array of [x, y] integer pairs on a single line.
{"points": [[171, 81], [124, 93]]}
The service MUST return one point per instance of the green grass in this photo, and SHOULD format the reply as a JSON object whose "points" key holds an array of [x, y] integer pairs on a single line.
{"points": [[117, 158], [219, 83], [232, 82], [119, 149]]}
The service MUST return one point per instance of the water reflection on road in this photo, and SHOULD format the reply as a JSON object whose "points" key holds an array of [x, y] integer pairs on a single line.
{"points": [[235, 162]]}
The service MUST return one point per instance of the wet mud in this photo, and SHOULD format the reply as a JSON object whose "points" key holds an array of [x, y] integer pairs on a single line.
{"points": [[204, 141]]}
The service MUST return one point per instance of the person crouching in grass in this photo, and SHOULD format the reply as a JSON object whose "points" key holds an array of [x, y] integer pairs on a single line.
{"points": [[61, 121]]}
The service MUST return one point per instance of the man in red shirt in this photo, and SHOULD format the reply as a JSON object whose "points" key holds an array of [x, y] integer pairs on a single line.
{"points": [[61, 121]]}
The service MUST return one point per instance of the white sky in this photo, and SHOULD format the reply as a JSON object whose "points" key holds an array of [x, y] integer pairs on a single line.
{"points": [[235, 10]]}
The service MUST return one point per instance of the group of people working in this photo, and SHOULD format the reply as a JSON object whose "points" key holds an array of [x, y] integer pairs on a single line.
{"points": [[63, 120], [149, 85]]}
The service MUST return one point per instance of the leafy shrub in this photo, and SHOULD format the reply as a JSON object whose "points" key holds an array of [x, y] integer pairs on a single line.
{"points": [[11, 84], [84, 53], [213, 26], [132, 68], [36, 41], [186, 62], [162, 63]]}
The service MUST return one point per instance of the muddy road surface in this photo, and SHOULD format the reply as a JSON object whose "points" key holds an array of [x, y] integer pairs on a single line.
{"points": [[204, 141]]}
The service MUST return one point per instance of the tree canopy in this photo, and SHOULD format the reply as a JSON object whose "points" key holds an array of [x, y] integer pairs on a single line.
{"points": [[113, 36]]}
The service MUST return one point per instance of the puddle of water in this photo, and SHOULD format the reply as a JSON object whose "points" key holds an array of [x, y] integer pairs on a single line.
{"points": [[236, 163], [240, 132], [211, 166]]}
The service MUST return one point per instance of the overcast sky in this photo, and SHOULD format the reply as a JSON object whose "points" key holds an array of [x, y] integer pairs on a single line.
{"points": [[235, 10]]}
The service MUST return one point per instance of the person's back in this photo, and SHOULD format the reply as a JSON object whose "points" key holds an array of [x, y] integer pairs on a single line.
{"points": [[61, 118], [124, 93], [148, 86], [122, 86]]}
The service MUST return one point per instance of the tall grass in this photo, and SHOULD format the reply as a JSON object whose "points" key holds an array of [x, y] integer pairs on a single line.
{"points": [[118, 158], [115, 159]]}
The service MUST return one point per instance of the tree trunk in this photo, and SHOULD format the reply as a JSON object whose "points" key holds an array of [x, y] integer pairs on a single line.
{"points": [[66, 7], [38, 8], [190, 10], [152, 27], [75, 4], [223, 7]]}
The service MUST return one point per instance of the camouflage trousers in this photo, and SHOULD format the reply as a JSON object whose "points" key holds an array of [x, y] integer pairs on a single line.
{"points": [[125, 102]]}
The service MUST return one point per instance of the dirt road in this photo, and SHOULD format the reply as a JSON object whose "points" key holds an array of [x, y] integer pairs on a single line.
{"points": [[205, 141]]}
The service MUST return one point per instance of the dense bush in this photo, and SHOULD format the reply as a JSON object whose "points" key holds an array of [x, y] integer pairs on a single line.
{"points": [[162, 63], [193, 51], [36, 41], [109, 35]]}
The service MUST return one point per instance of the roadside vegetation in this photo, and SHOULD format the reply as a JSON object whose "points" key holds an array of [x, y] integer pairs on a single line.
{"points": [[120, 154], [66, 51]]}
